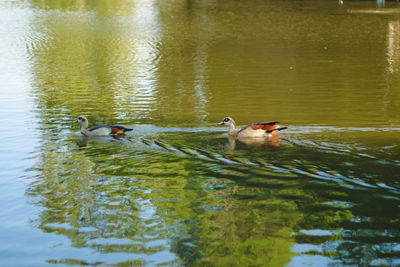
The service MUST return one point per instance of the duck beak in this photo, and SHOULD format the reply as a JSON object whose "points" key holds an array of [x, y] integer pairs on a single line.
{"points": [[221, 123], [75, 121]]}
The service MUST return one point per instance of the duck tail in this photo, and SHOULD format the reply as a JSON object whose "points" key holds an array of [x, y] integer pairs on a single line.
{"points": [[277, 129], [269, 123]]}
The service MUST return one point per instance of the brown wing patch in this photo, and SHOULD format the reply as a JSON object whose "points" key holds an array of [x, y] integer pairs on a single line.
{"points": [[266, 126], [116, 130]]}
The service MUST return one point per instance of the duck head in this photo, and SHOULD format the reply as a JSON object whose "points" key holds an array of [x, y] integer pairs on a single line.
{"points": [[231, 123], [80, 119], [83, 121], [227, 121]]}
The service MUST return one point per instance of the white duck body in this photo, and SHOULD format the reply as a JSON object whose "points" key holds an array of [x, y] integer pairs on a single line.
{"points": [[248, 132], [101, 130]]}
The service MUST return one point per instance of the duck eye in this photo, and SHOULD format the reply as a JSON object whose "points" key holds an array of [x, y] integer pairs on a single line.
{"points": [[226, 119]]}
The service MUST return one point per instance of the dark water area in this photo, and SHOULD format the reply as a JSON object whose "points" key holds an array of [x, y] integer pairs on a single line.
{"points": [[177, 190]]}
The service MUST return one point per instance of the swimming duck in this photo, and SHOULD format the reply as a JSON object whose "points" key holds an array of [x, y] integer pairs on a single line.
{"points": [[101, 130], [254, 130]]}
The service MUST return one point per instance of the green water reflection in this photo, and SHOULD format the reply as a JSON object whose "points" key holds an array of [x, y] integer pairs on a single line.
{"points": [[150, 202], [174, 191], [182, 62]]}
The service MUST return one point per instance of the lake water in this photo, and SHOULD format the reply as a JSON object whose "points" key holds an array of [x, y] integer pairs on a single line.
{"points": [[176, 190]]}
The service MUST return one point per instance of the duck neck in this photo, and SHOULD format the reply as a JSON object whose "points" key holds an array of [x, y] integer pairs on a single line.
{"points": [[232, 128], [84, 125]]}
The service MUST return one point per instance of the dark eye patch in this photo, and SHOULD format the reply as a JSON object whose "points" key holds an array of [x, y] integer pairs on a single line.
{"points": [[226, 119]]}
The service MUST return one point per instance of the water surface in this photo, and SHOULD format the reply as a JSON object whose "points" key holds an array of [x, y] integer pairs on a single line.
{"points": [[177, 190]]}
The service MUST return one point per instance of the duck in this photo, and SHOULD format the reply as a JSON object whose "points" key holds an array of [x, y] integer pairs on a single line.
{"points": [[101, 130], [254, 130]]}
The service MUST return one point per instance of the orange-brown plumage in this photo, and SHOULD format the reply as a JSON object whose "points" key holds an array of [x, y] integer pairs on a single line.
{"points": [[115, 130], [266, 126]]}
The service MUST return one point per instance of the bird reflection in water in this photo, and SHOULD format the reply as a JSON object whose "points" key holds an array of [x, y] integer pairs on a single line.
{"points": [[271, 142], [84, 141]]}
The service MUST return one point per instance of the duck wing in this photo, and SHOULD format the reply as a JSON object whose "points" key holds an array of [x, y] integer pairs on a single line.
{"points": [[114, 129], [266, 126]]}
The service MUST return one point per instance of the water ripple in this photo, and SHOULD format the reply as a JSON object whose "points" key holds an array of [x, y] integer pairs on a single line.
{"points": [[291, 147]]}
